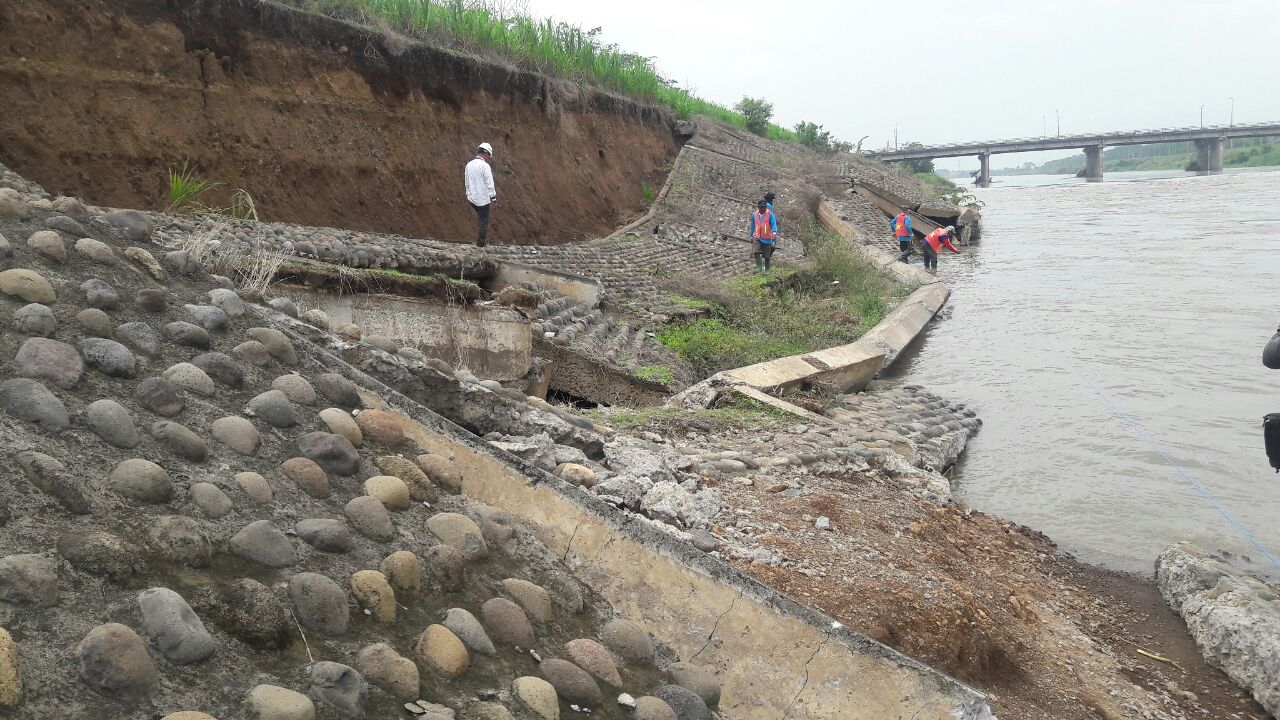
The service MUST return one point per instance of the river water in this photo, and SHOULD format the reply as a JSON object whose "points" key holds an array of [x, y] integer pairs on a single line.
{"points": [[1160, 289]]}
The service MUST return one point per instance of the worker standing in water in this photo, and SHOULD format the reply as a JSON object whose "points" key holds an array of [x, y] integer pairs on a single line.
{"points": [[933, 244], [901, 227], [763, 230]]}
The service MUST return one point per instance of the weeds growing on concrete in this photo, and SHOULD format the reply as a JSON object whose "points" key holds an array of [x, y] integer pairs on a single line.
{"points": [[738, 413], [253, 267], [545, 46], [656, 373], [831, 300], [689, 303]]}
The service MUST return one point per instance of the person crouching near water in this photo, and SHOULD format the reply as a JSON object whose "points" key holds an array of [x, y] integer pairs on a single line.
{"points": [[764, 232], [933, 244]]}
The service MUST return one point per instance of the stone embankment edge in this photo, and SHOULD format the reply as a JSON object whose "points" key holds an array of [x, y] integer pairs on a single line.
{"points": [[780, 659], [657, 200], [845, 368]]}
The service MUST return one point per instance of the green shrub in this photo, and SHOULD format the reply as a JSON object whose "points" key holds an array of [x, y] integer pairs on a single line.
{"points": [[811, 135], [756, 112]]}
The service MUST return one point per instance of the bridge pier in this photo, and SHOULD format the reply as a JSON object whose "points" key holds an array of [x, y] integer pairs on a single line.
{"points": [[1093, 163], [1209, 155], [984, 171]]}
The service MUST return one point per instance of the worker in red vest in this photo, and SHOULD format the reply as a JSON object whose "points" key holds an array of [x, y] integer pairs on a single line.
{"points": [[933, 243], [901, 227], [764, 232]]}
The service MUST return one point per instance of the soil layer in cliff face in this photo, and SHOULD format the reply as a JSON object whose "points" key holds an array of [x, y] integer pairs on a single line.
{"points": [[322, 122]]}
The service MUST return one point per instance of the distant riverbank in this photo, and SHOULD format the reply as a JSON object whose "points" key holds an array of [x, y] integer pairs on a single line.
{"points": [[1247, 152]]}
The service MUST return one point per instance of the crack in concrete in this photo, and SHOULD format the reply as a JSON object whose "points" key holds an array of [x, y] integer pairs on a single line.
{"points": [[599, 552], [712, 634], [826, 638], [565, 558]]}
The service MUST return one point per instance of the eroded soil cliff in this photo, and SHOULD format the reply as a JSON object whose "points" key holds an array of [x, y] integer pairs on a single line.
{"points": [[322, 122]]}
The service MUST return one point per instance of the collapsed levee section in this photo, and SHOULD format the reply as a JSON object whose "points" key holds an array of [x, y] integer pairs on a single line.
{"points": [[493, 342], [777, 658], [1233, 617]]}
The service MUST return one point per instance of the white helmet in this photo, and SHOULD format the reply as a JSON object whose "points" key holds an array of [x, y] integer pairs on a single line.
{"points": [[950, 229], [486, 147]]}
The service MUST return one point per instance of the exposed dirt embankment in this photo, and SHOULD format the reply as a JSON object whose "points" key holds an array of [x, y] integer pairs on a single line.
{"points": [[323, 122]]}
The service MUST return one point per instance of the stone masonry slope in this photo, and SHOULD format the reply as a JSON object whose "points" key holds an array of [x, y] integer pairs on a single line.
{"points": [[201, 517]]}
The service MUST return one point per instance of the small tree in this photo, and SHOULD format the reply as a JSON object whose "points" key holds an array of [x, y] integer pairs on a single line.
{"points": [[812, 135], [923, 165], [756, 111]]}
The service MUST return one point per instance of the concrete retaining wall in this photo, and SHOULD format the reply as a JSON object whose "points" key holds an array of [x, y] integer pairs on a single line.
{"points": [[495, 343], [585, 290], [903, 323], [776, 658], [838, 369], [594, 379]]}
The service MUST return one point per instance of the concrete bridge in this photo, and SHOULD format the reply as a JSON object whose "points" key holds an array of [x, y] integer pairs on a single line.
{"points": [[1209, 141]]}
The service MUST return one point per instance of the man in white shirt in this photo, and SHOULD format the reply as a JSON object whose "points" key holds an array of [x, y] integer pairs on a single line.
{"points": [[480, 191]]}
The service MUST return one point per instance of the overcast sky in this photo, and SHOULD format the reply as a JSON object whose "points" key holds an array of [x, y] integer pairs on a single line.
{"points": [[941, 70]]}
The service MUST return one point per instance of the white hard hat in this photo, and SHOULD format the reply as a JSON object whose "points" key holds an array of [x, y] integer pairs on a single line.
{"points": [[486, 147], [951, 228]]}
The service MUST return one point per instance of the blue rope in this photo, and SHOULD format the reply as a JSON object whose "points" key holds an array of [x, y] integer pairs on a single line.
{"points": [[1142, 433]]}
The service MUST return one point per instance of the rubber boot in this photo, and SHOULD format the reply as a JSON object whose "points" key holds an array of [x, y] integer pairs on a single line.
{"points": [[759, 264]]}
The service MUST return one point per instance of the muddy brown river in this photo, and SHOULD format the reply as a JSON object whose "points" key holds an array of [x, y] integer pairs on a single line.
{"points": [[1154, 290]]}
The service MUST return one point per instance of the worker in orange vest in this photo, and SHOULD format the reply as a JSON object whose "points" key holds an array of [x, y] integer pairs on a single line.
{"points": [[764, 231], [901, 227], [933, 243]]}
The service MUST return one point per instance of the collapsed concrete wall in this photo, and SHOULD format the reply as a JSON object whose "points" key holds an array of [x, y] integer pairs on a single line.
{"points": [[779, 659], [323, 122], [1234, 618], [493, 342]]}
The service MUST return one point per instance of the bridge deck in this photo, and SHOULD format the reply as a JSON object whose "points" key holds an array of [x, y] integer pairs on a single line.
{"points": [[1067, 142]]}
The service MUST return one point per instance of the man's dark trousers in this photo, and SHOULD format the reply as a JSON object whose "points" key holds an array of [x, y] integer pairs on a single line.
{"points": [[482, 221]]}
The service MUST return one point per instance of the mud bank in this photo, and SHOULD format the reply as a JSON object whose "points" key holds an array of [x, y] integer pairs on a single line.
{"points": [[323, 122]]}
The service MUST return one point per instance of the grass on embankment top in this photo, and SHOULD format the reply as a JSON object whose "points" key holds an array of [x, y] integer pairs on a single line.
{"points": [[544, 46], [831, 301]]}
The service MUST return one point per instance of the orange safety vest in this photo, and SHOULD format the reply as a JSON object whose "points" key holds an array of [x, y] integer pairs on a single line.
{"points": [[900, 225], [764, 226], [935, 239]]}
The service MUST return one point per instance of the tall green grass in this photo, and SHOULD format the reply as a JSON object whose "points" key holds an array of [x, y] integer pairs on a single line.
{"points": [[545, 46], [186, 189]]}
